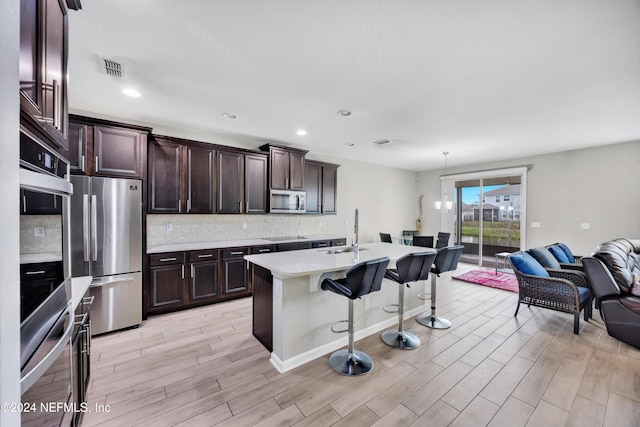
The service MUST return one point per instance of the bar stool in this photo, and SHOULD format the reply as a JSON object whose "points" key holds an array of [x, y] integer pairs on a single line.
{"points": [[362, 279], [409, 268], [446, 260]]}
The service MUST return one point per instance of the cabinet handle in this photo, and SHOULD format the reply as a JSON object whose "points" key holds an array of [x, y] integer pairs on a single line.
{"points": [[237, 253], [246, 207], [82, 163], [264, 250], [97, 164], [24, 203], [167, 259], [188, 205], [56, 105], [179, 205], [29, 273], [193, 273], [205, 256], [182, 271]]}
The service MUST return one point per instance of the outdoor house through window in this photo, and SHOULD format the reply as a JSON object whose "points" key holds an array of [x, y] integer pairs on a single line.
{"points": [[490, 208]]}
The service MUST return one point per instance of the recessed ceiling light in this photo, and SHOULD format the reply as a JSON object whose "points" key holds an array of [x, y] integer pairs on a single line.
{"points": [[301, 132], [229, 116], [131, 92], [350, 144], [344, 113]]}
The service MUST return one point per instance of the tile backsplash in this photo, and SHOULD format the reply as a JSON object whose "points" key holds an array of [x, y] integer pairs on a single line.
{"points": [[50, 242], [213, 228]]}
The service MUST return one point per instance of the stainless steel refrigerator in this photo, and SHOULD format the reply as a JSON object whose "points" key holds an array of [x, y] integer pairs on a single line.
{"points": [[106, 243]]}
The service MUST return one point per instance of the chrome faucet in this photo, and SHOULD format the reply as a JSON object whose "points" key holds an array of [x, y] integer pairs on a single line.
{"points": [[355, 230]]}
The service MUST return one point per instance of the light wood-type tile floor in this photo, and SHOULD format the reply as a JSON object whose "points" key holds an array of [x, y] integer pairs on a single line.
{"points": [[202, 367]]}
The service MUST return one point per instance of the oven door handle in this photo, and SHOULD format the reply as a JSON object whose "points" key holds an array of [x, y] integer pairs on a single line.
{"points": [[34, 374]]}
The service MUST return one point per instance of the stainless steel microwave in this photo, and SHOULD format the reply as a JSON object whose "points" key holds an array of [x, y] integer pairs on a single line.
{"points": [[285, 201]]}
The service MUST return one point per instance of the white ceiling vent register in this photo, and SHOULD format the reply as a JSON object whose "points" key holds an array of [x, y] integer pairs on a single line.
{"points": [[111, 67]]}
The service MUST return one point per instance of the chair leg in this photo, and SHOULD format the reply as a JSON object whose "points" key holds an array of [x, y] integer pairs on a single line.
{"points": [[576, 323], [432, 320], [399, 338], [351, 362], [517, 308]]}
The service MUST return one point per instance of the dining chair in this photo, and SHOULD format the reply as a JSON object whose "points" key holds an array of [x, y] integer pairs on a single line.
{"points": [[409, 233], [424, 241]]}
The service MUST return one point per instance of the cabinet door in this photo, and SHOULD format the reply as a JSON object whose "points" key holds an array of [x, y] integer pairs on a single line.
{"points": [[329, 188], [313, 187], [117, 152], [204, 281], [54, 83], [279, 174], [167, 286], [77, 152], [165, 171], [34, 203], [235, 278], [296, 171], [255, 188], [230, 181], [30, 58], [199, 179]]}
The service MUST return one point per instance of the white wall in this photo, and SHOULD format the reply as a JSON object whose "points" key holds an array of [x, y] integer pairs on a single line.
{"points": [[598, 186], [10, 224]]}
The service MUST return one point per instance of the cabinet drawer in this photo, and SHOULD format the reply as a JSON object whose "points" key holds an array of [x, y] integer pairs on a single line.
{"points": [[339, 242], [204, 255], [321, 244], [42, 270], [262, 249], [234, 253], [166, 258]]}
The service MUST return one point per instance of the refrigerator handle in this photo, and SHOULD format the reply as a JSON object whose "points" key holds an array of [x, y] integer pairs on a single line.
{"points": [[85, 226], [94, 226]]}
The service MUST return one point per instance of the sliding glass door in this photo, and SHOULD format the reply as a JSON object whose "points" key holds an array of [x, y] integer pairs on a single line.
{"points": [[489, 214]]}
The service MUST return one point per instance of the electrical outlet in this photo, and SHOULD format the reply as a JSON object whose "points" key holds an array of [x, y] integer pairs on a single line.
{"points": [[38, 232], [169, 227], [366, 302], [585, 226], [244, 225], [536, 225], [301, 224]]}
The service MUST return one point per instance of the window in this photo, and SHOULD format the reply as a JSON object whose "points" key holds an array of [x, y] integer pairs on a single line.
{"points": [[506, 198], [497, 199]]}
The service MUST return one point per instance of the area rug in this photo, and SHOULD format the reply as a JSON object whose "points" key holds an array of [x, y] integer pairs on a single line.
{"points": [[486, 277]]}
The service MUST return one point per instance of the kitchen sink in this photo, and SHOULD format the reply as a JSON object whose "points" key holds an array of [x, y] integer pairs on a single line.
{"points": [[340, 250]]}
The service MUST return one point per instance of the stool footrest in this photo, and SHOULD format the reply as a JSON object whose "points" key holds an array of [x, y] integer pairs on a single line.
{"points": [[339, 331], [391, 308], [424, 296]]}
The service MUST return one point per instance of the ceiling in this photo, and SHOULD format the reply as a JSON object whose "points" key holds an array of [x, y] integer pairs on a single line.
{"points": [[484, 80]]}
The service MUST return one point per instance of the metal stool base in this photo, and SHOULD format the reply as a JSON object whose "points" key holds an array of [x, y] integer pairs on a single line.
{"points": [[356, 363], [404, 340], [433, 321]]}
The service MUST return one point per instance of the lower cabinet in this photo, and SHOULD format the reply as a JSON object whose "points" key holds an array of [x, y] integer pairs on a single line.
{"points": [[81, 355], [180, 280]]}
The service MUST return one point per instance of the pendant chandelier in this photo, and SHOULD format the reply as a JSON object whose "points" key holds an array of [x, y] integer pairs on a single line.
{"points": [[444, 205]]}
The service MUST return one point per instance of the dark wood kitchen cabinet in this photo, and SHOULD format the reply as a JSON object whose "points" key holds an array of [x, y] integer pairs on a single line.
{"points": [[242, 182], [181, 176], [204, 277], [43, 68], [321, 187], [167, 281], [286, 167], [104, 148], [235, 279]]}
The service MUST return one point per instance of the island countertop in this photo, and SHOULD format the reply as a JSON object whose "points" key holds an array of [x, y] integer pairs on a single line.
{"points": [[313, 261]]}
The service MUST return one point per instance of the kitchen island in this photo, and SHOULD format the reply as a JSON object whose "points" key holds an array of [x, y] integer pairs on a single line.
{"points": [[293, 316]]}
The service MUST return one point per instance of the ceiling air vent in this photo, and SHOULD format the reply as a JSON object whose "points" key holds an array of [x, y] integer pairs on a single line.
{"points": [[382, 142], [111, 67]]}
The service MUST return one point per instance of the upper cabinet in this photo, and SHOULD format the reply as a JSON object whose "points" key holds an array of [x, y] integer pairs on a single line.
{"points": [[97, 147], [242, 182], [181, 176], [43, 67], [321, 187], [286, 167]]}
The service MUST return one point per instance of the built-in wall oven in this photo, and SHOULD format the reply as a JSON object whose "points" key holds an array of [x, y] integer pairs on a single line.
{"points": [[47, 318]]}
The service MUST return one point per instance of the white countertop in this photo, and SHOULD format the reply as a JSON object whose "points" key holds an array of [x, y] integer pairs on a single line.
{"points": [[79, 286], [41, 257], [176, 247], [313, 261]]}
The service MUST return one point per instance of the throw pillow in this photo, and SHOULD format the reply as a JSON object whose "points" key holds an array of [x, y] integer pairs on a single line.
{"points": [[559, 254], [528, 265], [544, 257], [567, 252]]}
